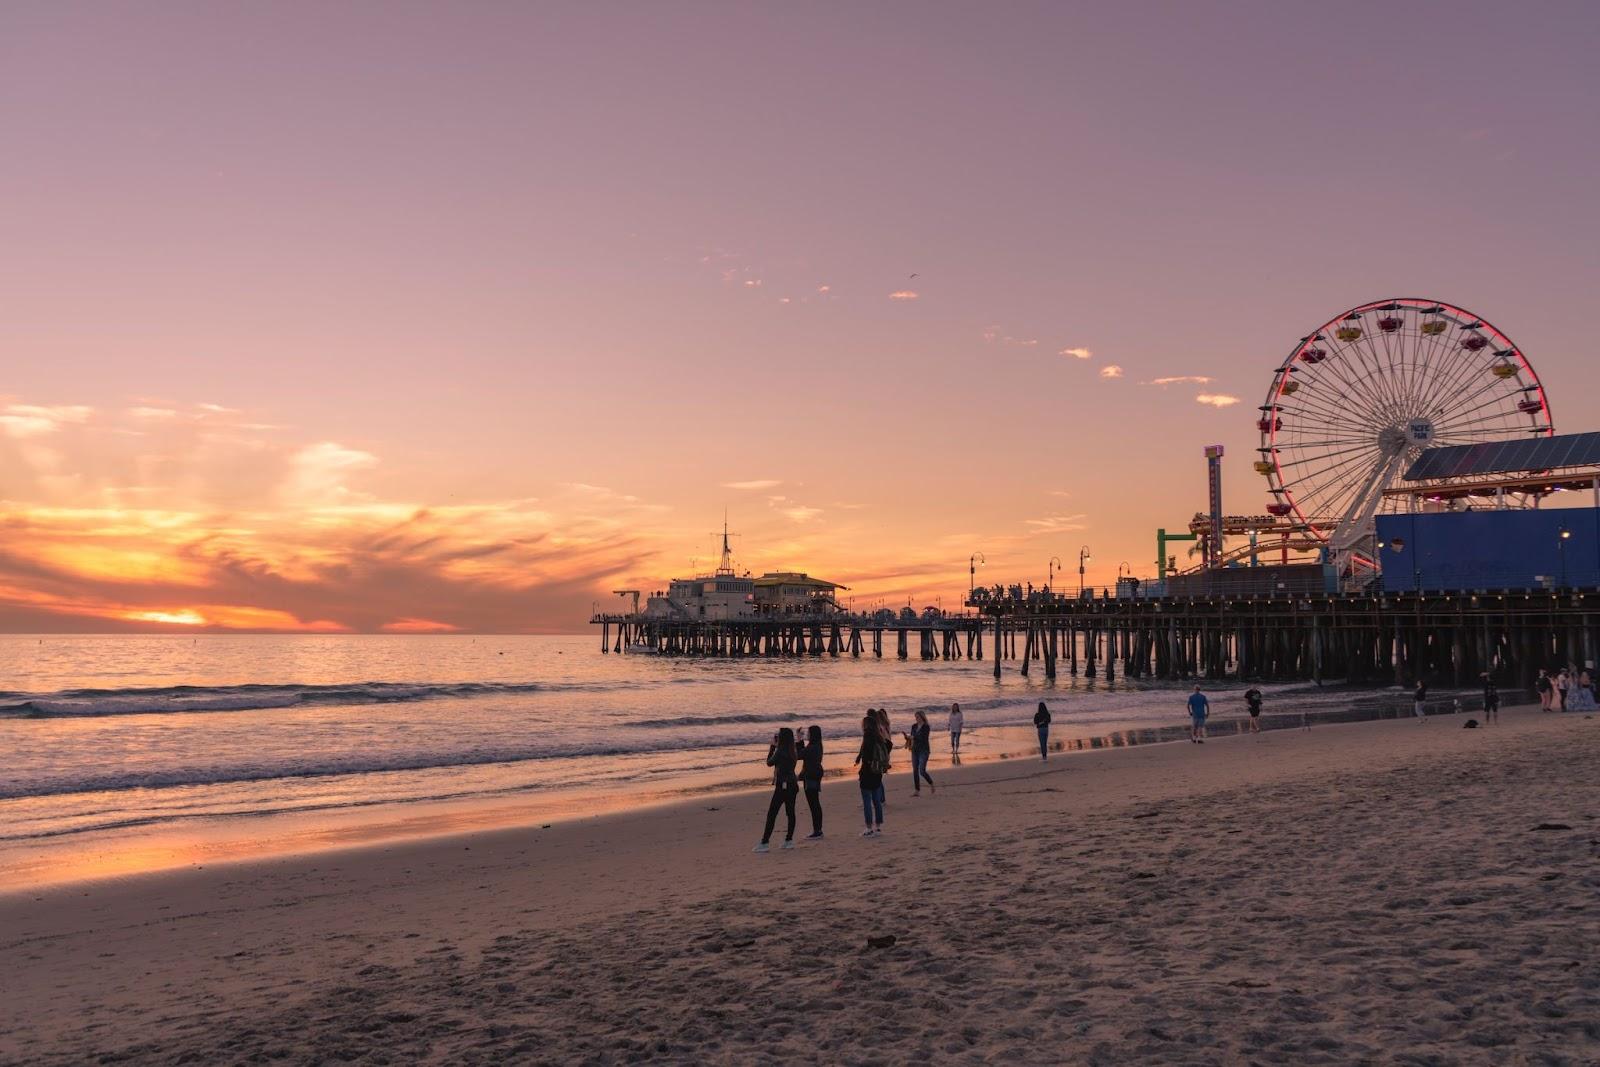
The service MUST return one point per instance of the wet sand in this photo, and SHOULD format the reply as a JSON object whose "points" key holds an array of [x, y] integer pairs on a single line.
{"points": [[1378, 891]]}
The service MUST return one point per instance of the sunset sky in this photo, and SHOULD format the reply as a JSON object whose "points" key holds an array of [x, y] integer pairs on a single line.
{"points": [[415, 317]]}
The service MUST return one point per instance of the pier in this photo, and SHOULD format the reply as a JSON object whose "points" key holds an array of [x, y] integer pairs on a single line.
{"points": [[1374, 638]]}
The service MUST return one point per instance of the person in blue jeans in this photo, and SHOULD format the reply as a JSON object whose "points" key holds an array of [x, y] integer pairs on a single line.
{"points": [[1199, 708], [1041, 721], [873, 761], [921, 749]]}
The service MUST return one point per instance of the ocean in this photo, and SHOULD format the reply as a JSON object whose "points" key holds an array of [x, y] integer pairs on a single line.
{"points": [[127, 753]]}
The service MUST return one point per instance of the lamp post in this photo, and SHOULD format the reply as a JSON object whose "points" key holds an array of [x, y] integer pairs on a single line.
{"points": [[1083, 557], [1124, 570], [972, 572], [1050, 581], [1561, 546]]}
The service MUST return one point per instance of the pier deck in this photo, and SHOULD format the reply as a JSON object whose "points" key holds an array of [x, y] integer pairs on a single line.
{"points": [[1361, 638]]}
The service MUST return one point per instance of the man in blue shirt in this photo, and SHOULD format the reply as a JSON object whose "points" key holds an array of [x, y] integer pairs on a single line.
{"points": [[1199, 708]]}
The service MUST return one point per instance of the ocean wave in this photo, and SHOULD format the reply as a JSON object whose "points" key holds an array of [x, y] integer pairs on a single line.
{"points": [[187, 698]]}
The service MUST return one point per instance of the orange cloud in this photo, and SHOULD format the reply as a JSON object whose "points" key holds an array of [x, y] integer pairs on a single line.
{"points": [[1217, 400], [905, 294]]}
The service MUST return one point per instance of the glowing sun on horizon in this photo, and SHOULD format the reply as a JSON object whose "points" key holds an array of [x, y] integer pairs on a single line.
{"points": [[185, 617]]}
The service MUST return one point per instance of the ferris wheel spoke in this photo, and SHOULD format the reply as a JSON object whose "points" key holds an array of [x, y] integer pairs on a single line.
{"points": [[1456, 383], [1464, 364], [1333, 474], [1340, 493], [1331, 417], [1497, 395], [1314, 451], [1385, 383]]}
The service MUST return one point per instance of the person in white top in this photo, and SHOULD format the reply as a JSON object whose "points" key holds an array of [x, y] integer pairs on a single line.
{"points": [[955, 729]]}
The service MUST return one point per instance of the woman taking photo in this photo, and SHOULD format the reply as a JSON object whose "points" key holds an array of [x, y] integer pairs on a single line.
{"points": [[781, 758]]}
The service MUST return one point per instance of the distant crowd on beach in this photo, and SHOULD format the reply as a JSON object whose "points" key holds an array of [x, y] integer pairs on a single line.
{"points": [[797, 762]]}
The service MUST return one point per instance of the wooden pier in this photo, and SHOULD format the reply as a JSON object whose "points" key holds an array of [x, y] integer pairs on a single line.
{"points": [[1373, 638]]}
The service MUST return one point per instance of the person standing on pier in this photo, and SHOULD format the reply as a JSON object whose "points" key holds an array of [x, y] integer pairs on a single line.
{"points": [[781, 758], [1252, 699], [873, 761], [957, 720], [1419, 701], [1041, 722], [921, 738], [811, 778], [1199, 708]]}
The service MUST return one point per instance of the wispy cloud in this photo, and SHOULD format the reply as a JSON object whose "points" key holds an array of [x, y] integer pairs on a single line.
{"points": [[1111, 371], [754, 484], [1217, 400], [32, 420], [317, 474], [905, 294], [1076, 353], [1055, 524], [1181, 379]]}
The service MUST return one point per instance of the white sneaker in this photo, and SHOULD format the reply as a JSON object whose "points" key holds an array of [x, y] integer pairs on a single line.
{"points": [[867, 833], [760, 848], [788, 844]]}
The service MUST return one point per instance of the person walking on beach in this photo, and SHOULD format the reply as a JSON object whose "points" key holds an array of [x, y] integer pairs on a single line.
{"points": [[1041, 722], [1419, 701], [1252, 699], [921, 743], [1199, 708], [1491, 700], [1546, 690], [957, 720], [1563, 683], [873, 761], [781, 758], [811, 778]]}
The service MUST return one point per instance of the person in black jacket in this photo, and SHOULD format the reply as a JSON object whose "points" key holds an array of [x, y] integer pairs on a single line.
{"points": [[781, 758], [921, 748], [811, 777], [1041, 720]]}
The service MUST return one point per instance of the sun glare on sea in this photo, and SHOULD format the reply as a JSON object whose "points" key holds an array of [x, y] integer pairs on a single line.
{"points": [[180, 618]]}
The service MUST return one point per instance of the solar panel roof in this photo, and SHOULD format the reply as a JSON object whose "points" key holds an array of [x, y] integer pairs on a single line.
{"points": [[1501, 457]]}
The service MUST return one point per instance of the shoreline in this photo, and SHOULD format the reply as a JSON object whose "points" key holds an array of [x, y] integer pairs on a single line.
{"points": [[1306, 866], [96, 855]]}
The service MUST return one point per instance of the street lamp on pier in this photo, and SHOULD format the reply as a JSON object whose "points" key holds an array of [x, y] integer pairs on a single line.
{"points": [[1050, 582], [972, 572], [1083, 557], [1561, 545]]}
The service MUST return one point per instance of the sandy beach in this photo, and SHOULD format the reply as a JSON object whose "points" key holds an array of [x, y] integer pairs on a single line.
{"points": [[1375, 892]]}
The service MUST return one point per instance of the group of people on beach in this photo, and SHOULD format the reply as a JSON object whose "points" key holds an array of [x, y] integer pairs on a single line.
{"points": [[872, 763], [1567, 690]]}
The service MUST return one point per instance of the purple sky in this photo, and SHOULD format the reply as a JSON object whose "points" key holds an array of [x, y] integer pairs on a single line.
{"points": [[515, 259]]}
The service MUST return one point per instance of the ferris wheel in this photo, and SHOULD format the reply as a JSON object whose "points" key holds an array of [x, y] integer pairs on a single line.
{"points": [[1361, 396]]}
